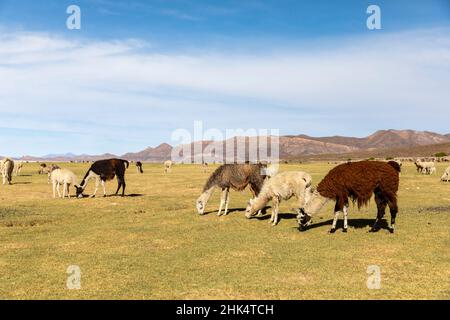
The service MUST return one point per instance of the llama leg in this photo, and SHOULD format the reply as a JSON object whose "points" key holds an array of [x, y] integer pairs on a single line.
{"points": [[57, 189], [275, 209], [104, 188], [54, 190], [64, 189], [222, 201], [227, 200], [68, 191], [123, 187], [336, 217], [337, 210], [393, 208], [381, 205], [345, 217], [96, 186], [119, 184]]}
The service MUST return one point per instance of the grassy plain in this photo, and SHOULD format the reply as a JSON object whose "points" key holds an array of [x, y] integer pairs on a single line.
{"points": [[152, 244]]}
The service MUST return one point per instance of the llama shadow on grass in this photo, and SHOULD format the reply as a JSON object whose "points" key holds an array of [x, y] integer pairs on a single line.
{"points": [[352, 223], [281, 216], [229, 211], [131, 195], [25, 182]]}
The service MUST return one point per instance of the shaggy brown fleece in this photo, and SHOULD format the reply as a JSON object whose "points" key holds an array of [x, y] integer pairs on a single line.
{"points": [[359, 180], [237, 177]]}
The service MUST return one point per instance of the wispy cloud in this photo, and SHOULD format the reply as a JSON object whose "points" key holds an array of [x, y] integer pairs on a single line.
{"points": [[128, 95]]}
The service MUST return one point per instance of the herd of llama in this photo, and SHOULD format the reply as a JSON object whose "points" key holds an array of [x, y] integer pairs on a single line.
{"points": [[354, 182]]}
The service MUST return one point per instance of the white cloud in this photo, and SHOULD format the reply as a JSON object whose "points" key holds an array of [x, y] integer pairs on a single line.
{"points": [[104, 87]]}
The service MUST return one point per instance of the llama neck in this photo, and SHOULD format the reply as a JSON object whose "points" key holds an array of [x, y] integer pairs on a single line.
{"points": [[207, 194], [316, 203], [260, 202]]}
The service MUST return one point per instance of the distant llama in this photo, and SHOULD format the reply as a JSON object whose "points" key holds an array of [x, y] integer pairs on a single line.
{"points": [[50, 170], [7, 167], [18, 168], [356, 181], [425, 167], [42, 168], [139, 167], [231, 176], [446, 175], [168, 166]]}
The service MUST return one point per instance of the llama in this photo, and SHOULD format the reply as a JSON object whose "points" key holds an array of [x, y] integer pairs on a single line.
{"points": [[18, 168], [425, 167], [272, 170], [205, 166], [105, 170], [446, 175], [50, 170], [282, 186], [63, 177], [168, 166], [7, 167], [139, 167], [357, 181], [42, 167], [234, 176]]}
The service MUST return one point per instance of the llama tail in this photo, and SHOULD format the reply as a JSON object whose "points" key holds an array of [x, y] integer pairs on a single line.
{"points": [[395, 165], [126, 162]]}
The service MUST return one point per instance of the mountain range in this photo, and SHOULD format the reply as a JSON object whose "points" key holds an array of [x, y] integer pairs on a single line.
{"points": [[404, 142]]}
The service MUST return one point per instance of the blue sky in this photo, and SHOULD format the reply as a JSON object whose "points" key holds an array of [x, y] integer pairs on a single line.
{"points": [[138, 70]]}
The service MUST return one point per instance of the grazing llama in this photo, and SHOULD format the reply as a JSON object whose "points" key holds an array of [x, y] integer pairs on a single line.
{"points": [[446, 175], [356, 181], [7, 167], [18, 168], [139, 167], [42, 167], [63, 177], [168, 166], [425, 167], [282, 186], [204, 166], [234, 176], [105, 170], [50, 170]]}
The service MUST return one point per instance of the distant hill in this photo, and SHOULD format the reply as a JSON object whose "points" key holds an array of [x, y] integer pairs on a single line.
{"points": [[383, 142]]}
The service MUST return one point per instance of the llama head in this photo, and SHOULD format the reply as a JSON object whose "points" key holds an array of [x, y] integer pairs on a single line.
{"points": [[203, 200], [304, 219], [79, 191], [249, 212], [314, 201], [200, 206]]}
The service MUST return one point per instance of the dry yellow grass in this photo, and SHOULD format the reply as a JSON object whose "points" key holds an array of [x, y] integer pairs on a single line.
{"points": [[153, 245]]}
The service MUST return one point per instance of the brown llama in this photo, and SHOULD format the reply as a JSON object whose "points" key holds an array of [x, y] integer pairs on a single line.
{"points": [[234, 176], [356, 181]]}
